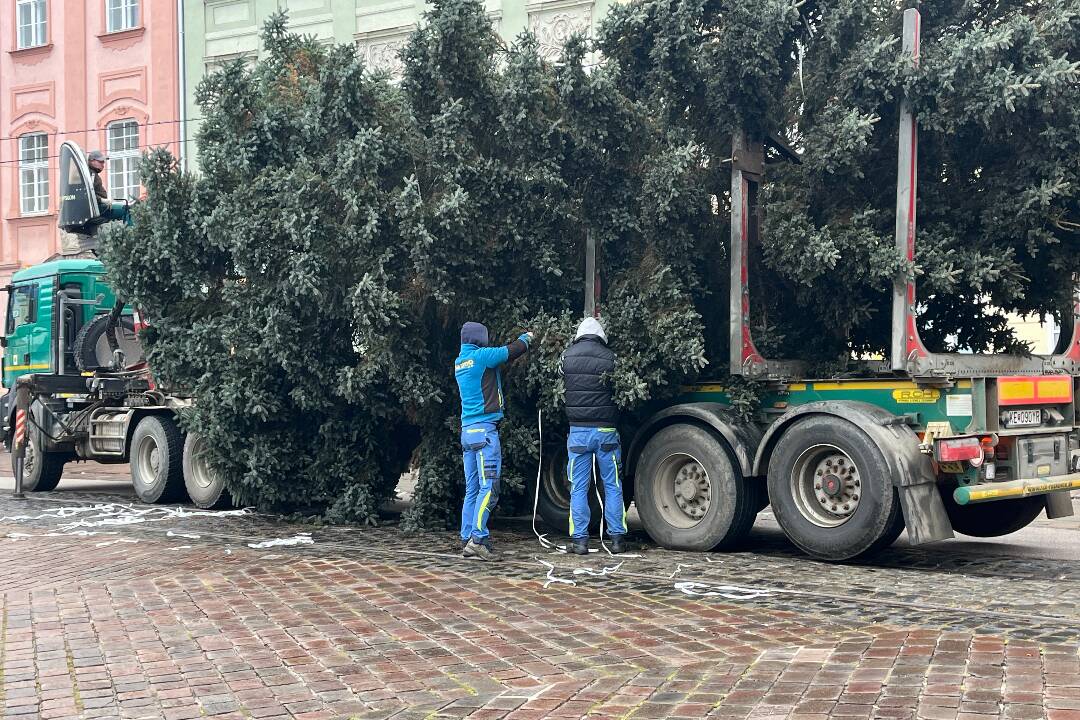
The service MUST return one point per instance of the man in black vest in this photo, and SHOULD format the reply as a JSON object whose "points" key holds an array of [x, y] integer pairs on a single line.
{"points": [[592, 416]]}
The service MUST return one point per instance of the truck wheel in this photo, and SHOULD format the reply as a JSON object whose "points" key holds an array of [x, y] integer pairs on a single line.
{"points": [[992, 519], [831, 490], [157, 447], [41, 469], [91, 348], [205, 487], [689, 494], [553, 505]]}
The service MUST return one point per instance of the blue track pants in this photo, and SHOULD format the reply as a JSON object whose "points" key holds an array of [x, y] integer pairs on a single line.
{"points": [[482, 456], [582, 445]]}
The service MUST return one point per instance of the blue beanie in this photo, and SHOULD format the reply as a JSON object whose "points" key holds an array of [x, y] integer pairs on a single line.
{"points": [[474, 333]]}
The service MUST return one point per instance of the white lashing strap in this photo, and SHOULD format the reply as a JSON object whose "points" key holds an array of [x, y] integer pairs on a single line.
{"points": [[728, 592], [544, 542], [542, 538]]}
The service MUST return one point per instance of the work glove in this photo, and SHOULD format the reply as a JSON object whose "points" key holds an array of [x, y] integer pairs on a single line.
{"points": [[526, 337]]}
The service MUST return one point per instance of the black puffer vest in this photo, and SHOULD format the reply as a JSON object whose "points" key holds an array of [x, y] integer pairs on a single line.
{"points": [[588, 397]]}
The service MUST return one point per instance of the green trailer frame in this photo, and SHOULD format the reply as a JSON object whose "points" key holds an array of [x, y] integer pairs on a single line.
{"points": [[928, 442]]}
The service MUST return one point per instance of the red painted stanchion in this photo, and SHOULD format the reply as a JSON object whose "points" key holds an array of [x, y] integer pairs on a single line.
{"points": [[18, 450]]}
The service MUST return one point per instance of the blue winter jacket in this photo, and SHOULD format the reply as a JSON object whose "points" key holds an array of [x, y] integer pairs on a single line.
{"points": [[479, 380]]}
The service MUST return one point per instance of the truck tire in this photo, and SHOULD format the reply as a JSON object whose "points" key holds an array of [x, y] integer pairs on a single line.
{"points": [[992, 519], [831, 490], [91, 348], [689, 494], [205, 487], [41, 469], [156, 456], [553, 503]]}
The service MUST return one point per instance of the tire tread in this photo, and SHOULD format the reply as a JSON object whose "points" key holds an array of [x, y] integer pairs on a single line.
{"points": [[992, 519], [85, 346], [747, 500], [827, 546], [221, 500], [174, 488], [50, 464]]}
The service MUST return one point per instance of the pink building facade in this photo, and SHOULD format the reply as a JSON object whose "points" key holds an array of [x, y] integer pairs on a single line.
{"points": [[100, 72]]}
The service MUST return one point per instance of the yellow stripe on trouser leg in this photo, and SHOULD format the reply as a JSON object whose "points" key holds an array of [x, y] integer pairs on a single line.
{"points": [[615, 462], [487, 496], [483, 507], [571, 479]]}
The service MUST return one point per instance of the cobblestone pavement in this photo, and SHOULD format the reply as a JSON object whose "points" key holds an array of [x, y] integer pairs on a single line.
{"points": [[113, 609]]}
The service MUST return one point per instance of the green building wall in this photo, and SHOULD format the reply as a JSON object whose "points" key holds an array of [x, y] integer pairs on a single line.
{"points": [[216, 31]]}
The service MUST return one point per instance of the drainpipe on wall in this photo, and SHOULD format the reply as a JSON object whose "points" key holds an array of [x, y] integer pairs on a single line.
{"points": [[181, 150]]}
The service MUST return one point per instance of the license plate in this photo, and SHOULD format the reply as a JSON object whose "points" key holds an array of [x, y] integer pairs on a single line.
{"points": [[1025, 417]]}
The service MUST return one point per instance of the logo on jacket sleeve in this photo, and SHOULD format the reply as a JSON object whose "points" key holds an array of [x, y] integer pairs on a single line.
{"points": [[464, 365]]}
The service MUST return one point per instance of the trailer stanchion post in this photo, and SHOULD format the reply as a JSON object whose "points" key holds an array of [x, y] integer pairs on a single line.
{"points": [[591, 288], [18, 450], [905, 334]]}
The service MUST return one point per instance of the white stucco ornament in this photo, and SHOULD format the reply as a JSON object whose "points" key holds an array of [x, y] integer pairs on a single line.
{"points": [[554, 23]]}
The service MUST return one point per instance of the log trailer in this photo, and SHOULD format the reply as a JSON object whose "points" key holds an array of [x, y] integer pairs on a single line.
{"points": [[74, 354], [936, 443]]}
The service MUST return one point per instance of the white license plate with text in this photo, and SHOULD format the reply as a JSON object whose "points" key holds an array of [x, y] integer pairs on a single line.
{"points": [[1025, 417]]}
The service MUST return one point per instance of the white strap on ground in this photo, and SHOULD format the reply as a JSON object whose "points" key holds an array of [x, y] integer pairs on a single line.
{"points": [[728, 592], [551, 575], [299, 539], [598, 573]]}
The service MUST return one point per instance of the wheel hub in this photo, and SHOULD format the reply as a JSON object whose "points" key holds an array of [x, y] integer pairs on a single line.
{"points": [[692, 489], [683, 493], [832, 485], [826, 485]]}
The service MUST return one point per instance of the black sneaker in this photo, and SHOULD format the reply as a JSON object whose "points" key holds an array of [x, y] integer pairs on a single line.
{"points": [[580, 546], [478, 551], [618, 545]]}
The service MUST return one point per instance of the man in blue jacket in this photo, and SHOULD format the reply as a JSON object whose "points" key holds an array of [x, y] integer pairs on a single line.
{"points": [[593, 416], [480, 385]]}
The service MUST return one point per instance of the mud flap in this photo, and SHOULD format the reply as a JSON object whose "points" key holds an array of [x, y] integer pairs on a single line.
{"points": [[912, 475], [1059, 505], [924, 513], [925, 517]]}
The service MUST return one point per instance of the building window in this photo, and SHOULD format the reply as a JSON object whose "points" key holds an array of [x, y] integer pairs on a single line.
{"points": [[121, 14], [31, 22], [34, 173], [124, 159]]}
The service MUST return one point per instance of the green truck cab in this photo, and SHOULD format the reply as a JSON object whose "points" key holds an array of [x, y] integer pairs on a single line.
{"points": [[71, 350], [35, 320]]}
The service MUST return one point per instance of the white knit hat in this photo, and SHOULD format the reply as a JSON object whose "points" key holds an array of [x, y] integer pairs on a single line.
{"points": [[590, 326]]}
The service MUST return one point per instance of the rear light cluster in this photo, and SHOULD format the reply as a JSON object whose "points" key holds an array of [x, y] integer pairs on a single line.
{"points": [[973, 450]]}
